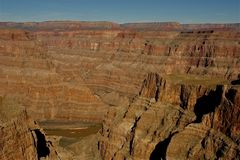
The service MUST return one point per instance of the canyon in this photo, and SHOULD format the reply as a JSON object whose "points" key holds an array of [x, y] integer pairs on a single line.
{"points": [[21, 137], [139, 90]]}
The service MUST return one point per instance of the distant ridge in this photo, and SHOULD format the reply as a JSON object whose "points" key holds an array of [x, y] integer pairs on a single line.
{"points": [[211, 26], [60, 25], [105, 25], [153, 26]]}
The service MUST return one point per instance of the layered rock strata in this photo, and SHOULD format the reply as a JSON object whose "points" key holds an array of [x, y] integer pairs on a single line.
{"points": [[20, 137], [77, 71], [59, 73], [108, 58], [174, 121], [27, 71]]}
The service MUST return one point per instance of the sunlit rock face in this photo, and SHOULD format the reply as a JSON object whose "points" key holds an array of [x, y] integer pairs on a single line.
{"points": [[156, 87], [30, 73], [201, 123], [72, 74], [21, 137]]}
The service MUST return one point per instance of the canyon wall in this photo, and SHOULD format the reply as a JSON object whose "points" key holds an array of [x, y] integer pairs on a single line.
{"points": [[77, 74], [28, 72], [21, 138], [169, 120], [81, 71], [113, 63]]}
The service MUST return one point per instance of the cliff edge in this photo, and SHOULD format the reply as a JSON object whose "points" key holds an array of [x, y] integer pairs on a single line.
{"points": [[169, 120]]}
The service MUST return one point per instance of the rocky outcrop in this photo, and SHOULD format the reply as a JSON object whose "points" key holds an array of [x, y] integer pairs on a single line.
{"points": [[63, 71], [200, 142], [77, 71], [181, 126], [150, 87], [20, 137]]}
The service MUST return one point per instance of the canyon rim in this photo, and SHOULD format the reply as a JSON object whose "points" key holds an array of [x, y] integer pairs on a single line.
{"points": [[102, 90]]}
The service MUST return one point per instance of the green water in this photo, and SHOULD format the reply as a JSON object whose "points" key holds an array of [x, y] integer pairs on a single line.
{"points": [[73, 132], [69, 131]]}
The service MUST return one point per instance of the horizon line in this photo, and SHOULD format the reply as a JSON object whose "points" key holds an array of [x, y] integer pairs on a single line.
{"points": [[132, 22]]}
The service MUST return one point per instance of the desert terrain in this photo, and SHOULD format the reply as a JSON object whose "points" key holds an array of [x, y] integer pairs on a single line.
{"points": [[135, 91]]}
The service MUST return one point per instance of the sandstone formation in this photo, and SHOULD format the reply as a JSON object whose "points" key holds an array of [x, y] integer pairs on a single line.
{"points": [[200, 142], [27, 71], [20, 137], [185, 122], [101, 57], [83, 71]]}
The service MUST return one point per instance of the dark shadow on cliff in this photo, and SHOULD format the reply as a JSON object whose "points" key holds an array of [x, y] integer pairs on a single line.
{"points": [[159, 152], [236, 82], [207, 103], [231, 94], [42, 149]]}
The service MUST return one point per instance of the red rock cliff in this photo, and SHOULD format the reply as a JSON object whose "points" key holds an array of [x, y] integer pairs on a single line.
{"points": [[186, 122], [20, 137]]}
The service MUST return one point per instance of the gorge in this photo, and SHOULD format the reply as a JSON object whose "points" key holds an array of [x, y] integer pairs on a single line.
{"points": [[102, 90]]}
